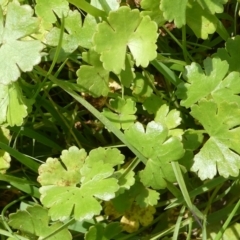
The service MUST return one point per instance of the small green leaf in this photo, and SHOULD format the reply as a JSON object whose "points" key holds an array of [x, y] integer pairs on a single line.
{"points": [[123, 115], [230, 54], [15, 53], [174, 11], [171, 118], [125, 179], [35, 223], [141, 88], [93, 78], [160, 150], [221, 151], [152, 103], [213, 84], [125, 28], [144, 196]]}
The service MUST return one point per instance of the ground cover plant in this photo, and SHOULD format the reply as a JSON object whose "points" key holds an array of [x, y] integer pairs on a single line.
{"points": [[119, 119]]}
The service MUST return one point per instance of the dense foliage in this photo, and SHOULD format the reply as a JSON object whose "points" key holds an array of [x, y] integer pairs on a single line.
{"points": [[119, 119]]}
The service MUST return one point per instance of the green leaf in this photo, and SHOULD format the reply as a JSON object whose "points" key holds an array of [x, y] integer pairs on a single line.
{"points": [[213, 83], [144, 196], [35, 223], [123, 115], [221, 151], [125, 28], [160, 150], [202, 22], [141, 88], [152, 9], [93, 79], [48, 10], [171, 118], [5, 160], [230, 54], [16, 51], [152, 103], [13, 107], [174, 11], [70, 187], [125, 179]]}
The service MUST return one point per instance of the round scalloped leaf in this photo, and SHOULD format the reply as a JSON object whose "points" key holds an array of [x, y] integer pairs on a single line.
{"points": [[70, 187], [34, 223], [125, 28], [123, 115], [212, 83], [170, 118], [160, 150], [174, 11], [17, 54], [221, 151]]}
